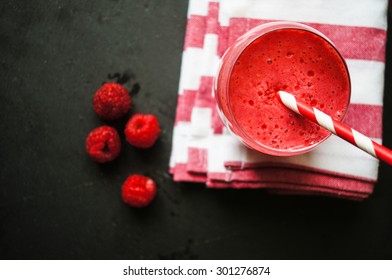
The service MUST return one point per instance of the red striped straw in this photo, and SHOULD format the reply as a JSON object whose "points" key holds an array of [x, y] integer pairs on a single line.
{"points": [[340, 129]]}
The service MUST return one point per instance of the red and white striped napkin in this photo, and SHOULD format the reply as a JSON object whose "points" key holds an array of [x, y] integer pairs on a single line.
{"points": [[204, 151]]}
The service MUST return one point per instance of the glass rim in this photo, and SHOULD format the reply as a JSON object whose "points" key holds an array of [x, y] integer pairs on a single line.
{"points": [[268, 28]]}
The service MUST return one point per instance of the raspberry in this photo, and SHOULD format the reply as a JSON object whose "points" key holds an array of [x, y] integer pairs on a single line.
{"points": [[111, 101], [138, 190], [103, 144], [142, 130]]}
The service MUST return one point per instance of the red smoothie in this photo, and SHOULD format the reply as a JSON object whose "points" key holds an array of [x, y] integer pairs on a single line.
{"points": [[290, 59]]}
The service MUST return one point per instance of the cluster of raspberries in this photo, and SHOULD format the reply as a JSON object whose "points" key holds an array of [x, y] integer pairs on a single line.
{"points": [[111, 102]]}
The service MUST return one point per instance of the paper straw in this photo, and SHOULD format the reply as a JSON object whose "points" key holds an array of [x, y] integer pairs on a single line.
{"points": [[336, 127]]}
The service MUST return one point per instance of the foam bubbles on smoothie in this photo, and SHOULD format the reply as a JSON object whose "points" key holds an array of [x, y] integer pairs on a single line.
{"points": [[301, 70], [289, 54]]}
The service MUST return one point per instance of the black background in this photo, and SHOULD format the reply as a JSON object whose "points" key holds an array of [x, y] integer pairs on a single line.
{"points": [[55, 203]]}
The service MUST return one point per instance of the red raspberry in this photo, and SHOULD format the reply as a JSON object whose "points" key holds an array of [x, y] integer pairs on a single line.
{"points": [[138, 190], [111, 101], [142, 130], [103, 144]]}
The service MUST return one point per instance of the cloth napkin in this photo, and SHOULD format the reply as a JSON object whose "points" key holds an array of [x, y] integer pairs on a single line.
{"points": [[204, 151]]}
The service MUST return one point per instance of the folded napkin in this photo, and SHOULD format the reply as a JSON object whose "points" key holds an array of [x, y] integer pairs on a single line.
{"points": [[204, 151]]}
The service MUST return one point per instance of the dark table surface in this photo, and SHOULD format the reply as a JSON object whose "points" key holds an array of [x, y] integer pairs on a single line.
{"points": [[55, 203]]}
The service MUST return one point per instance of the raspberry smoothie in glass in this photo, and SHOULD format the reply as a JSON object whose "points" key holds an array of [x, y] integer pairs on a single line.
{"points": [[280, 56]]}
